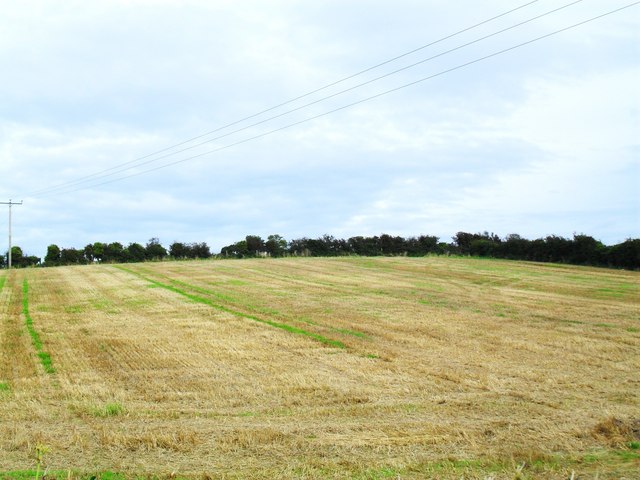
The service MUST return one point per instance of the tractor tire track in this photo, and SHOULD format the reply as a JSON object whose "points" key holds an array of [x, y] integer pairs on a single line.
{"points": [[206, 301]]}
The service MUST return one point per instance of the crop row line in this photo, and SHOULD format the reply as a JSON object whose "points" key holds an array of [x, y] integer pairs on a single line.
{"points": [[45, 358], [4, 386], [231, 299], [208, 302]]}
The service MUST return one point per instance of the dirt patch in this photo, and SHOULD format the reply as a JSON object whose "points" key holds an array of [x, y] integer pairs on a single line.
{"points": [[615, 431]]}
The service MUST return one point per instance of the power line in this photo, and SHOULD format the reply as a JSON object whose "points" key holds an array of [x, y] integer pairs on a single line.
{"points": [[315, 117], [116, 170], [136, 162]]}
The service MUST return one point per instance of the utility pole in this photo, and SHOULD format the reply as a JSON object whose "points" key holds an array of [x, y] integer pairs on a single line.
{"points": [[10, 203]]}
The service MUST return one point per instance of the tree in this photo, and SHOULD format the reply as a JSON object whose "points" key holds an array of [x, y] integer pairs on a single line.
{"points": [[17, 259], [135, 252], [299, 247], [275, 245], [200, 250], [482, 248], [586, 250], [387, 244], [558, 249], [53, 256], [71, 256], [428, 244], [238, 250], [98, 251], [364, 246], [255, 244], [178, 250], [20, 260], [318, 247], [515, 247], [88, 253], [113, 253], [625, 254], [30, 261], [154, 250], [463, 242]]}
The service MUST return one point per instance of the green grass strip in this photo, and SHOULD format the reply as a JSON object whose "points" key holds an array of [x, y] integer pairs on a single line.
{"points": [[2, 280], [227, 298], [206, 301], [45, 358]]}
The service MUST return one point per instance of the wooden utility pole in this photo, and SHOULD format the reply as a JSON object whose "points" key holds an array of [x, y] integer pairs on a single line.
{"points": [[10, 203]]}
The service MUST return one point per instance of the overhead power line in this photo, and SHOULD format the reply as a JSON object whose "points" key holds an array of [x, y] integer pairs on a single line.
{"points": [[349, 105], [136, 162], [116, 170]]}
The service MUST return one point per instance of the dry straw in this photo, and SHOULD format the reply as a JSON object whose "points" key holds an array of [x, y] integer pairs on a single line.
{"points": [[450, 368]]}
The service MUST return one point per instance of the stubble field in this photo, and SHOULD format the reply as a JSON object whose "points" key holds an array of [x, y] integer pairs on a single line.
{"points": [[321, 368]]}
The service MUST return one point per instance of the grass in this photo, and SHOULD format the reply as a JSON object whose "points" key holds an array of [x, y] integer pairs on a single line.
{"points": [[206, 301], [245, 303], [111, 409], [188, 379], [45, 357]]}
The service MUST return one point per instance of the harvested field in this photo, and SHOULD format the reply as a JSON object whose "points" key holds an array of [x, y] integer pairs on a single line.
{"points": [[323, 368]]}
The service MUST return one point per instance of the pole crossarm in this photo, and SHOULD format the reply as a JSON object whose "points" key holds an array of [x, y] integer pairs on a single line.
{"points": [[10, 203]]}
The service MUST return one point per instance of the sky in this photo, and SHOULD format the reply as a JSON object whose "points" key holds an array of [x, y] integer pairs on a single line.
{"points": [[541, 139]]}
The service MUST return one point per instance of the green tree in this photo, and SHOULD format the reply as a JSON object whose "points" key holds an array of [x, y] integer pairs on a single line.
{"points": [[428, 244], [200, 250], [30, 261], [136, 252], [113, 253], [463, 241], [625, 254], [238, 250], [53, 256], [275, 245], [155, 251], [20, 260], [71, 256], [17, 257], [98, 251], [586, 250], [255, 244], [178, 250]]}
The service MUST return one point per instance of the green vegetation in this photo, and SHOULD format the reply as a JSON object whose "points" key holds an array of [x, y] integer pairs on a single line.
{"points": [[198, 299], [244, 302], [579, 250], [39, 453], [108, 410], [45, 358]]}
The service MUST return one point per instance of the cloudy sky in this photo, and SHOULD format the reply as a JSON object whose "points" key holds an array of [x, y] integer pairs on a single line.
{"points": [[542, 139]]}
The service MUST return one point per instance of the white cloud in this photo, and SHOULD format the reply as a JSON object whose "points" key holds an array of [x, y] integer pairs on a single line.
{"points": [[540, 139], [576, 116]]}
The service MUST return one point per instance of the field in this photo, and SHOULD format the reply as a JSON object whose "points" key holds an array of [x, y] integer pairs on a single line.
{"points": [[363, 368]]}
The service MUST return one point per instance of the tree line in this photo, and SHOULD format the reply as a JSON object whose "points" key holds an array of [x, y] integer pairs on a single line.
{"points": [[579, 250]]}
